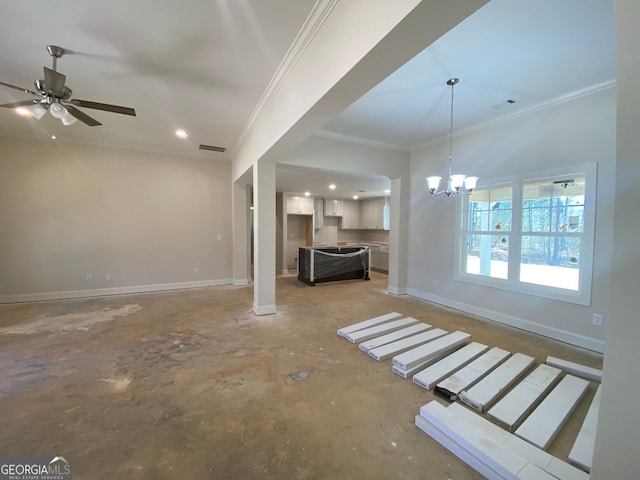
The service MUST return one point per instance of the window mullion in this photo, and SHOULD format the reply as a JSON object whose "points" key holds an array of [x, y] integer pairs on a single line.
{"points": [[516, 233]]}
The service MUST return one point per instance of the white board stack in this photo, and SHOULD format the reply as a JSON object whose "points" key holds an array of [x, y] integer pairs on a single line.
{"points": [[474, 372], [394, 348], [344, 331], [377, 330], [421, 357], [484, 393], [581, 454], [475, 447], [544, 423], [553, 465], [428, 377], [393, 336], [520, 401], [576, 369]]}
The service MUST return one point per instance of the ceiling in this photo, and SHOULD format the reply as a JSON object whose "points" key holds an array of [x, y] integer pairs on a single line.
{"points": [[204, 65]]}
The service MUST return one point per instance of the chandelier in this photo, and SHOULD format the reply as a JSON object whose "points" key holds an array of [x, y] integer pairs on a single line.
{"points": [[457, 183]]}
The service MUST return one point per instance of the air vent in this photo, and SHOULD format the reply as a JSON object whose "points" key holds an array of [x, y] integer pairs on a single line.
{"points": [[507, 102], [212, 148]]}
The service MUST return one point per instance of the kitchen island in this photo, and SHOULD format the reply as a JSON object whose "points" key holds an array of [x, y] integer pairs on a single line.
{"points": [[328, 264]]}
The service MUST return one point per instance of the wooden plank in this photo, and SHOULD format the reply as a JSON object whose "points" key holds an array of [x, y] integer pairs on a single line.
{"points": [[376, 331], [565, 471], [428, 377], [456, 449], [576, 369], [471, 374], [544, 423], [581, 454], [406, 373], [394, 348], [553, 465], [393, 336], [512, 409], [487, 450], [424, 352], [344, 331], [484, 393]]}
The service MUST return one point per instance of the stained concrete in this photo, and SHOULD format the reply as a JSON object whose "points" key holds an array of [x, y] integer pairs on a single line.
{"points": [[192, 385]]}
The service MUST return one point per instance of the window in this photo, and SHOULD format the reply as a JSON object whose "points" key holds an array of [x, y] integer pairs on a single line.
{"points": [[533, 236]]}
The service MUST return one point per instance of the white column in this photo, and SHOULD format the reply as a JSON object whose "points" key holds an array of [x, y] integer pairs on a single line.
{"points": [[399, 234], [264, 237], [618, 434], [240, 235]]}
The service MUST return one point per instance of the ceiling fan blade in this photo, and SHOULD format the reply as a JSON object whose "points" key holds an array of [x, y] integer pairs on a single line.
{"points": [[23, 103], [104, 106], [19, 88], [83, 117], [54, 81]]}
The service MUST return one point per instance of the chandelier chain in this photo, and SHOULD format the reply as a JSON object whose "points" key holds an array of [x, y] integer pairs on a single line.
{"points": [[451, 132]]}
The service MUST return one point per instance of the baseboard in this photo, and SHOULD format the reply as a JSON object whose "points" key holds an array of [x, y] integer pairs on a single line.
{"points": [[101, 292], [520, 323], [264, 309], [240, 283], [396, 290]]}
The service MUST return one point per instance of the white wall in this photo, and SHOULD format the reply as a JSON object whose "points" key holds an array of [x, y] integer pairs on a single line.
{"points": [[341, 156], [572, 133], [616, 446], [148, 219]]}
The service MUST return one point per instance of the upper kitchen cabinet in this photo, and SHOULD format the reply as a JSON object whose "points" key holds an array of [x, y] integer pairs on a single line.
{"points": [[318, 213], [299, 205], [374, 214], [333, 208], [350, 215]]}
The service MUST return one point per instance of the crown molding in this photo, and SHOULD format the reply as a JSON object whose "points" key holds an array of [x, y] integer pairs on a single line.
{"points": [[361, 141], [536, 107], [321, 10]]}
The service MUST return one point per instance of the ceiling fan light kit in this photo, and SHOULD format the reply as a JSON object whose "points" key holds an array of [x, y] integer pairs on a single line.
{"points": [[457, 183], [55, 97], [36, 110]]}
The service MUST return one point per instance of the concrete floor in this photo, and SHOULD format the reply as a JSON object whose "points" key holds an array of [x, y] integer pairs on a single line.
{"points": [[192, 385]]}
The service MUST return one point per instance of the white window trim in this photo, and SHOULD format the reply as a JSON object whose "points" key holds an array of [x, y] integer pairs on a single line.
{"points": [[513, 284]]}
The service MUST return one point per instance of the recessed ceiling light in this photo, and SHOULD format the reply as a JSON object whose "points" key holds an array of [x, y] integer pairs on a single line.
{"points": [[332, 186], [355, 197], [306, 194], [181, 133]]}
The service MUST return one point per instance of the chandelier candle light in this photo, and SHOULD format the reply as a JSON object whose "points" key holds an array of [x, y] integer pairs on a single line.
{"points": [[456, 182]]}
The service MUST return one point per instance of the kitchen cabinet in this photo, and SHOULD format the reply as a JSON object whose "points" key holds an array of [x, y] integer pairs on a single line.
{"points": [[372, 214], [332, 208], [375, 258], [299, 205], [384, 261], [318, 213], [350, 215]]}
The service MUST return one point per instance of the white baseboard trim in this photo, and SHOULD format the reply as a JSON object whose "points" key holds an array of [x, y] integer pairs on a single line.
{"points": [[101, 292], [264, 309], [240, 283], [520, 323], [396, 290]]}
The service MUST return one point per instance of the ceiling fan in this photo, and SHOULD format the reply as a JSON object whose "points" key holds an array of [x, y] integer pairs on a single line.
{"points": [[55, 96]]}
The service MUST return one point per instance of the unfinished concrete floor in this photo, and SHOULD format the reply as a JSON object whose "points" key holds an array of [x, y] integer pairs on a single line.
{"points": [[192, 385]]}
